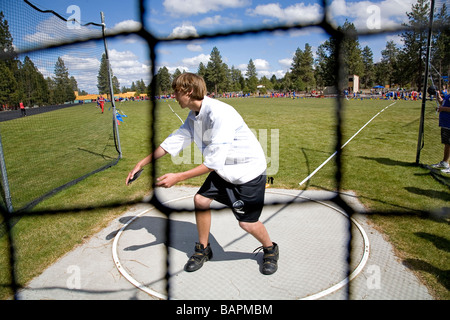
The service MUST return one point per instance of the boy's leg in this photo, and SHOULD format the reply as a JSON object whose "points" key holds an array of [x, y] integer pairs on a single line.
{"points": [[271, 250], [202, 251], [248, 203], [257, 230], [203, 218], [447, 152]]}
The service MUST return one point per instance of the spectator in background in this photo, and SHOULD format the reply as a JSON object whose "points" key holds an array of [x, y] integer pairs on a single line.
{"points": [[444, 123], [22, 109], [101, 101]]}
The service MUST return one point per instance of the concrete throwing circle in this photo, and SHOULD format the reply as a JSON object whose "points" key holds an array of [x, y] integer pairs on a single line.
{"points": [[312, 236]]}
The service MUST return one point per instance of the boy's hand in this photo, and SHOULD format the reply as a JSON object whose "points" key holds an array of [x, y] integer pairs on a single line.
{"points": [[130, 176], [168, 180]]}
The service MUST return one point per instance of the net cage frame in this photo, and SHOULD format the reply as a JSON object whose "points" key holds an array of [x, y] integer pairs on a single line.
{"points": [[114, 134], [152, 42]]}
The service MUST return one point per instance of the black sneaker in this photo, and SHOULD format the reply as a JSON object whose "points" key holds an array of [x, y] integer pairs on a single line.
{"points": [[270, 259], [200, 256]]}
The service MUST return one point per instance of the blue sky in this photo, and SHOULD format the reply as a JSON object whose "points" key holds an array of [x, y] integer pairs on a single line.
{"points": [[271, 52]]}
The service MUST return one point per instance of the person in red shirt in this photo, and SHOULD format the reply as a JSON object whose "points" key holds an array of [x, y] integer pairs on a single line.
{"points": [[22, 109], [101, 100]]}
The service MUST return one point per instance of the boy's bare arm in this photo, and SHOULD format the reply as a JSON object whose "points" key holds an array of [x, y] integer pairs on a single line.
{"points": [[158, 153], [170, 179]]}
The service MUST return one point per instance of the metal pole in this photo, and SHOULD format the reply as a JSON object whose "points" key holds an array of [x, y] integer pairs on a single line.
{"points": [[5, 182], [425, 80], [111, 90]]}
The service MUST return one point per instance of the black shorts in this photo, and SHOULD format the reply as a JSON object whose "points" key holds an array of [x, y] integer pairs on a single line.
{"points": [[245, 200], [445, 135]]}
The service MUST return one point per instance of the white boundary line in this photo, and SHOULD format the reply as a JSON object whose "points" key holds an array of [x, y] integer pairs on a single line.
{"points": [[315, 296], [176, 114], [330, 157]]}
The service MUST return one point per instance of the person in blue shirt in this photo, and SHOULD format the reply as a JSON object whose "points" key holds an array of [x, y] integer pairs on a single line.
{"points": [[444, 123]]}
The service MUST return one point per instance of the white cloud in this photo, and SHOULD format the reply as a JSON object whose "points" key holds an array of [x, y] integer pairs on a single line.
{"points": [[174, 68], [297, 13], [195, 61], [77, 63], [41, 38], [54, 30], [84, 69], [338, 8], [127, 67], [194, 47], [287, 62], [263, 68], [210, 21], [280, 73], [363, 14], [126, 25], [186, 64], [243, 68], [398, 40], [261, 64], [130, 26], [181, 8], [372, 15], [218, 20], [185, 30]]}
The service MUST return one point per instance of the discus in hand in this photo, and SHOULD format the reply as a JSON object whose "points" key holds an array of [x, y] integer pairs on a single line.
{"points": [[136, 175]]}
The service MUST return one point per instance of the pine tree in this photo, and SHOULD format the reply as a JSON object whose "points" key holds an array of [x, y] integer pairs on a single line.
{"points": [[321, 72], [74, 83], [351, 50], [201, 71], [415, 43], [103, 77], [390, 57], [216, 73], [236, 80], [308, 67], [33, 87], [63, 87], [441, 54], [164, 84], [252, 76], [116, 85], [302, 71], [326, 62], [176, 73], [8, 86], [8, 66], [350, 53], [296, 69], [369, 73]]}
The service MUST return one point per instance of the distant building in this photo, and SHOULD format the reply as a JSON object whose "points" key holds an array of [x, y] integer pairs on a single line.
{"points": [[93, 97], [353, 83]]}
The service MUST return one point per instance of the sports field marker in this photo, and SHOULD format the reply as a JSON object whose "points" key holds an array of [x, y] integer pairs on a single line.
{"points": [[331, 157]]}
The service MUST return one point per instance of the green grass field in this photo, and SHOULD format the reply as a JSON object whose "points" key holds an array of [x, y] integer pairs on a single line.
{"points": [[47, 150], [378, 165]]}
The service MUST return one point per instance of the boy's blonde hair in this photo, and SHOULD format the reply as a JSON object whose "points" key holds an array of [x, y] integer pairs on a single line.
{"points": [[187, 82]]}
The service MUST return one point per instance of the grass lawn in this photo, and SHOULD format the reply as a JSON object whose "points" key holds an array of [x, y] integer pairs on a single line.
{"points": [[378, 165]]}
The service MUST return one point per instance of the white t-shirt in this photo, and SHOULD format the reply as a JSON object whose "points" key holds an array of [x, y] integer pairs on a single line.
{"points": [[228, 146]]}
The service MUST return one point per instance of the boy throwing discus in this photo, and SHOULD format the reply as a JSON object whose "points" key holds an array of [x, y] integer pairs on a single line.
{"points": [[234, 160]]}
